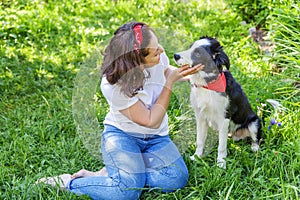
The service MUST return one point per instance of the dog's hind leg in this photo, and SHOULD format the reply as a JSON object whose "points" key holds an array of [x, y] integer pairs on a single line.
{"points": [[222, 148], [255, 133], [202, 127]]}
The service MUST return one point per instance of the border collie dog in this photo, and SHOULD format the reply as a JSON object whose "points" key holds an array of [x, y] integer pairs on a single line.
{"points": [[217, 99]]}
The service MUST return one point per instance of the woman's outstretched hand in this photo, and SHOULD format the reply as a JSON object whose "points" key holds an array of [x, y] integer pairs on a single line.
{"points": [[183, 71]]}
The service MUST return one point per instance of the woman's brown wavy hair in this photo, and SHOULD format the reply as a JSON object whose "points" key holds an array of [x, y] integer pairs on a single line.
{"points": [[122, 63]]}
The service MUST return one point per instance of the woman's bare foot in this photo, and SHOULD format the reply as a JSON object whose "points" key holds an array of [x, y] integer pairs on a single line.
{"points": [[85, 173], [61, 180]]}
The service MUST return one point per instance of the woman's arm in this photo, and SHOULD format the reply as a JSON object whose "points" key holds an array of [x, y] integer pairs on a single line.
{"points": [[153, 117]]}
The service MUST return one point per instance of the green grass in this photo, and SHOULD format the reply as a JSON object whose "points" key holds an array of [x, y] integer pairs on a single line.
{"points": [[43, 45]]}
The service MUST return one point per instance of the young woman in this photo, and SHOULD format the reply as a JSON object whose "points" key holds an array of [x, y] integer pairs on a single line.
{"points": [[136, 148]]}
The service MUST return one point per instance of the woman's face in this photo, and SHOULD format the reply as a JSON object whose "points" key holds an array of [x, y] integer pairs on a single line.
{"points": [[154, 52]]}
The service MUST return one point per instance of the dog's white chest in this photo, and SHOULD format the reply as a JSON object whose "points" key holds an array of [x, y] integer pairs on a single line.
{"points": [[209, 104]]}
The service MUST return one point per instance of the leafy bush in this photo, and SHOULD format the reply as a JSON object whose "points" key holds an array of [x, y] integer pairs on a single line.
{"points": [[254, 11], [285, 23]]}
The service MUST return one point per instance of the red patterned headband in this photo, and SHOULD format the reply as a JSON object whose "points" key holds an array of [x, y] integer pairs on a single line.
{"points": [[138, 37]]}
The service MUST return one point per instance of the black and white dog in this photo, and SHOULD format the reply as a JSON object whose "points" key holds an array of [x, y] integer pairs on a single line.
{"points": [[217, 99]]}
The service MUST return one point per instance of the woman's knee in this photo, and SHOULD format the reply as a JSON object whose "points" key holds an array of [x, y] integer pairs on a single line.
{"points": [[178, 176], [169, 178]]}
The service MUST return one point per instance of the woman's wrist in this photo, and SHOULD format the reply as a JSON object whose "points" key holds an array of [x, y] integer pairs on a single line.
{"points": [[169, 84]]}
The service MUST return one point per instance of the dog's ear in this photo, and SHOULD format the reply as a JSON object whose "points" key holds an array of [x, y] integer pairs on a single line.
{"points": [[219, 56]]}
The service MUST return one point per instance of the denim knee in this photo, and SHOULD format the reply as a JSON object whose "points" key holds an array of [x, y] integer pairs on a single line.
{"points": [[169, 178]]}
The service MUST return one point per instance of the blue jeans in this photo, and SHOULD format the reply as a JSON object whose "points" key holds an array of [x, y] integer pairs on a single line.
{"points": [[133, 164]]}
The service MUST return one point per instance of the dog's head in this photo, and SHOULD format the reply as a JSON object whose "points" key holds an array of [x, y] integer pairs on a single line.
{"points": [[207, 51]]}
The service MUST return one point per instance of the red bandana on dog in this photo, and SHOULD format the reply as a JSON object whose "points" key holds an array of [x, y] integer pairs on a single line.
{"points": [[219, 85]]}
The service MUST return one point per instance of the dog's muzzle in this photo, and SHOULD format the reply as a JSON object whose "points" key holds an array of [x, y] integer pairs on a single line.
{"points": [[181, 61]]}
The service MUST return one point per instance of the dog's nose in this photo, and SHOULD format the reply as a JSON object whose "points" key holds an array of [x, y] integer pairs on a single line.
{"points": [[176, 56]]}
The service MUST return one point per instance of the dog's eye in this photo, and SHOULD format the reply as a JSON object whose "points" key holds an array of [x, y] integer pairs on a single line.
{"points": [[197, 54]]}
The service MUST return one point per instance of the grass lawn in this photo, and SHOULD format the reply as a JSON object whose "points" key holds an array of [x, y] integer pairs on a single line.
{"points": [[51, 108]]}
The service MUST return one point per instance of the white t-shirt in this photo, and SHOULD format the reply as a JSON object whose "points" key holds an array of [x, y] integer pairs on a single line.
{"points": [[117, 100]]}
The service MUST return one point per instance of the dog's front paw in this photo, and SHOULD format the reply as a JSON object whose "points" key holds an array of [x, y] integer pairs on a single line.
{"points": [[221, 163], [193, 157]]}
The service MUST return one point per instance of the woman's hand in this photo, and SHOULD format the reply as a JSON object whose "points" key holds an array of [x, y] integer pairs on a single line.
{"points": [[178, 73]]}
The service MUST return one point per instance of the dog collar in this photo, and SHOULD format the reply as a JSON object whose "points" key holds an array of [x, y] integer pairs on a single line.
{"points": [[219, 85]]}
